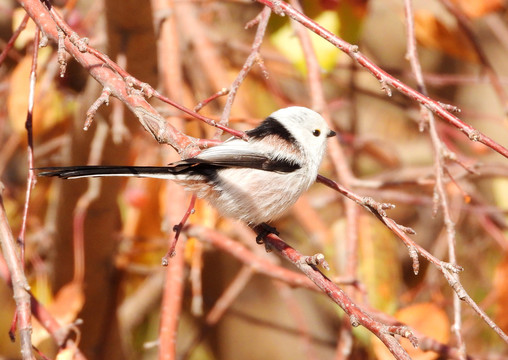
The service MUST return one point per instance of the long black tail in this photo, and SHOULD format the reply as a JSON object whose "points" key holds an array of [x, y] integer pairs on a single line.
{"points": [[75, 172]]}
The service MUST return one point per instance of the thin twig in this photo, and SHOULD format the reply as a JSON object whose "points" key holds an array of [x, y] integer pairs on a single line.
{"points": [[296, 310], [178, 229], [208, 100], [92, 110], [342, 167], [222, 304], [439, 165], [226, 299], [262, 21], [314, 71], [378, 209], [13, 38], [30, 141]]}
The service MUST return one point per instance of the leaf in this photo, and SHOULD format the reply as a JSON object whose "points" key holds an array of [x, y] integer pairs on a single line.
{"points": [[69, 301], [379, 269], [432, 33], [351, 15], [66, 354], [65, 308], [27, 34], [426, 318], [500, 192], [50, 106], [500, 287], [478, 8], [288, 44]]}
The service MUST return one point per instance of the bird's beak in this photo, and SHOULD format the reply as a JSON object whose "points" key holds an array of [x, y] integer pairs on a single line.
{"points": [[331, 134]]}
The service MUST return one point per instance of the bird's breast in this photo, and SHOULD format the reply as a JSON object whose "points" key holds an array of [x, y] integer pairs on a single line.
{"points": [[257, 196]]}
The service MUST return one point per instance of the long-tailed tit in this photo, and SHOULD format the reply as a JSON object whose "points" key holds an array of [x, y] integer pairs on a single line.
{"points": [[255, 181]]}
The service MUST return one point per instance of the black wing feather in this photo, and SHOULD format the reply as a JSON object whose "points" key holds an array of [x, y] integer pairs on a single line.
{"points": [[259, 162]]}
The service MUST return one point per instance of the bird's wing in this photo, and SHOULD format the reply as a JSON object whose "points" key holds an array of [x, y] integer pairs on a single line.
{"points": [[238, 154]]}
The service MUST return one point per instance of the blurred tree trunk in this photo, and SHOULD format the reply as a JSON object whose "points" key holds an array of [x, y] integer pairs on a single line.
{"points": [[130, 33]]}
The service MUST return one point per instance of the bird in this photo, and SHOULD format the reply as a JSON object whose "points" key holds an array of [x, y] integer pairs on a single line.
{"points": [[255, 181]]}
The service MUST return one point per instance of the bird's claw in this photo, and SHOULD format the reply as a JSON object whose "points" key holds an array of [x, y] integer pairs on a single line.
{"points": [[263, 231]]}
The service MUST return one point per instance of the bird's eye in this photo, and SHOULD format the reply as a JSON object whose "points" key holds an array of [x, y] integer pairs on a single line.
{"points": [[316, 132]]}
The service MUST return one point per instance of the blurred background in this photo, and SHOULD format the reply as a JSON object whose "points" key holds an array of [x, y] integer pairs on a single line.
{"points": [[94, 247]]}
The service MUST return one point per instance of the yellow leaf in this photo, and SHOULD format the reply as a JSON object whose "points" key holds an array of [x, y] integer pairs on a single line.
{"points": [[426, 318], [500, 192], [50, 105], [288, 44], [501, 291], [379, 270], [65, 308], [26, 35], [352, 14], [66, 354]]}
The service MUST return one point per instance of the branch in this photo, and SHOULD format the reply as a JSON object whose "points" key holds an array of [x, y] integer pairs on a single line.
{"points": [[30, 151], [19, 283], [378, 209], [118, 82], [262, 21], [282, 8], [356, 315]]}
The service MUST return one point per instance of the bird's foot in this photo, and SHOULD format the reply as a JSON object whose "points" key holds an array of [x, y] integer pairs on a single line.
{"points": [[263, 231]]}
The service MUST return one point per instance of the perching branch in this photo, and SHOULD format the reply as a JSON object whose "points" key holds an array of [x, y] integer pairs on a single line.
{"points": [[356, 315]]}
